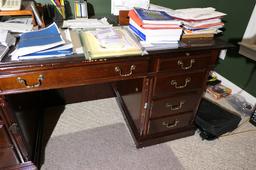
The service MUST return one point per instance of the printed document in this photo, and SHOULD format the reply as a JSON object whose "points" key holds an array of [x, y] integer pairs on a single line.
{"points": [[117, 5]]}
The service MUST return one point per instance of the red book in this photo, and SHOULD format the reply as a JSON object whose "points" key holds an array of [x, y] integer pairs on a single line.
{"points": [[132, 14]]}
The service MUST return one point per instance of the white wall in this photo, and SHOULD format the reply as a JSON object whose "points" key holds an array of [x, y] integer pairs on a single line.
{"points": [[248, 44]]}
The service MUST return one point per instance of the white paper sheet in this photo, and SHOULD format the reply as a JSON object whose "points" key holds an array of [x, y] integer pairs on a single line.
{"points": [[117, 5]]}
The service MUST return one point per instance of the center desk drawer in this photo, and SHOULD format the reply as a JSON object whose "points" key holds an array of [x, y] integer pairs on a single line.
{"points": [[166, 85], [73, 76], [184, 61]]}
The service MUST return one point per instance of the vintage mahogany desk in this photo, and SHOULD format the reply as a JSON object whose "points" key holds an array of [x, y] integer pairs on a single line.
{"points": [[158, 93]]}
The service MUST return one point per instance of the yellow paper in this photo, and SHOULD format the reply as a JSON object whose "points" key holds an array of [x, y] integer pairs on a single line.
{"points": [[96, 50]]}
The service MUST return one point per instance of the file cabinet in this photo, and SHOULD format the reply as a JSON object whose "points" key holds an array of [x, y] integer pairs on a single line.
{"points": [[169, 95], [177, 90]]}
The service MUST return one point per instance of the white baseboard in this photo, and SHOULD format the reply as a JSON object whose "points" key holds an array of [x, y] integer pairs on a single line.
{"points": [[236, 90]]}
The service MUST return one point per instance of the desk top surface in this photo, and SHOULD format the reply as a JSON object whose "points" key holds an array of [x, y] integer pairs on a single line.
{"points": [[186, 46]]}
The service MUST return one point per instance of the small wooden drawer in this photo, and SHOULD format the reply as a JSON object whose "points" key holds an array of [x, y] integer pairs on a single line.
{"points": [[73, 76], [4, 138], [169, 84], [184, 62], [169, 123], [174, 105]]}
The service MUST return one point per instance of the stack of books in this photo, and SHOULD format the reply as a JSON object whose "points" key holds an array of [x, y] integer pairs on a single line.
{"points": [[199, 22], [45, 43], [153, 26]]}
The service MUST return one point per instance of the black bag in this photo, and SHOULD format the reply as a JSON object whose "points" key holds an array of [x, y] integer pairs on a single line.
{"points": [[213, 121]]}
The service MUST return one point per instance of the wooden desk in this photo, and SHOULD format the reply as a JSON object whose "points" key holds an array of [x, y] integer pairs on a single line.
{"points": [[159, 94]]}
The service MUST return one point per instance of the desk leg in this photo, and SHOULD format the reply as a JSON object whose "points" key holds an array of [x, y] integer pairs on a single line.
{"points": [[133, 97], [23, 119], [13, 130]]}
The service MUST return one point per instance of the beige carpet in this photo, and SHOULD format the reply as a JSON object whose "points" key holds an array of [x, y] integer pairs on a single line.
{"points": [[105, 143]]}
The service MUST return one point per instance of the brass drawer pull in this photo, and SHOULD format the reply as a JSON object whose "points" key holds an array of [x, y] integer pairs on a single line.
{"points": [[175, 107], [186, 67], [119, 70], [170, 124], [37, 84], [174, 83]]}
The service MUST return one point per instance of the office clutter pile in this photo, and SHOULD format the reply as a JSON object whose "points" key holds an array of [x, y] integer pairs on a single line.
{"points": [[199, 22], [43, 43], [219, 90], [149, 29], [155, 27], [216, 89]]}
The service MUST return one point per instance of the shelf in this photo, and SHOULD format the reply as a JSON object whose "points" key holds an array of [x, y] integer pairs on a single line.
{"points": [[248, 50], [16, 13]]}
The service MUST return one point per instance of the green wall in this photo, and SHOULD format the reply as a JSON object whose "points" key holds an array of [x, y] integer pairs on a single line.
{"points": [[235, 67]]}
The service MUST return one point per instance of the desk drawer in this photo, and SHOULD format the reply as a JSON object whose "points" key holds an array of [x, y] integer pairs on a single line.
{"points": [[170, 123], [184, 61], [169, 84], [174, 105], [73, 76]]}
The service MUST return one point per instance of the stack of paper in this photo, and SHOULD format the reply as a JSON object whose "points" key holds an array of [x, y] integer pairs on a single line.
{"points": [[109, 42], [85, 23], [199, 22], [154, 26], [16, 27], [46, 42]]}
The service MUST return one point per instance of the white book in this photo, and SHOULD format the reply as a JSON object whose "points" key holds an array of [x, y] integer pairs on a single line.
{"points": [[159, 32], [197, 14]]}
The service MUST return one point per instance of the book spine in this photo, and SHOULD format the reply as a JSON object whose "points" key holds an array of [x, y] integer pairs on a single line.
{"points": [[137, 32], [133, 16]]}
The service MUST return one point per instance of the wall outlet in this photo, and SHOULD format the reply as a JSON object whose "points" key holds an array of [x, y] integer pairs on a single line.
{"points": [[223, 54]]}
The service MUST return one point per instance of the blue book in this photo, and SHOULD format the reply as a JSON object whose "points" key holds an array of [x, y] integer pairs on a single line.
{"points": [[137, 32], [154, 17], [59, 51], [34, 41]]}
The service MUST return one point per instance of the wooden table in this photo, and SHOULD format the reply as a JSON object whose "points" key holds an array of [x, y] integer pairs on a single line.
{"points": [[159, 94]]}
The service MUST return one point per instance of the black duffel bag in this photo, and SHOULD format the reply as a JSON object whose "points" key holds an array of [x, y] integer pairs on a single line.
{"points": [[213, 120]]}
